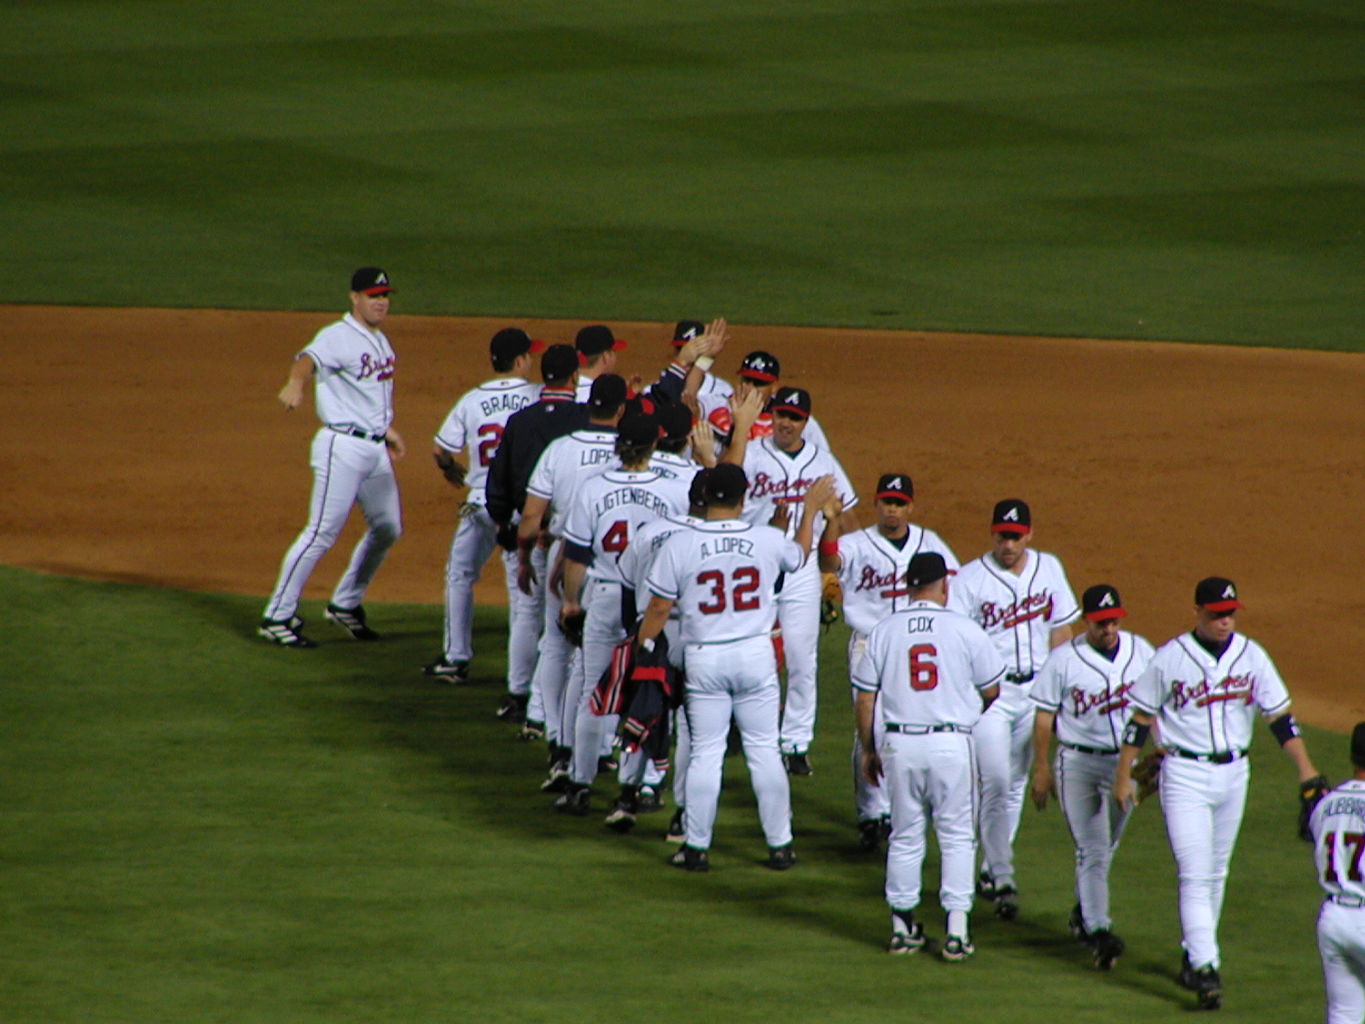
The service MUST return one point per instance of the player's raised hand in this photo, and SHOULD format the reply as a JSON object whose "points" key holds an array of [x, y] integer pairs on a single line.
{"points": [[715, 338], [744, 411], [703, 440], [820, 494]]}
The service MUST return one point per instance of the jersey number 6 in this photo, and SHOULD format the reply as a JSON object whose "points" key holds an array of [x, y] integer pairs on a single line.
{"points": [[742, 598], [923, 669]]}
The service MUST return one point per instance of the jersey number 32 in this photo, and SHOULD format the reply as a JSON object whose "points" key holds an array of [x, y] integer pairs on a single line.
{"points": [[741, 595]]}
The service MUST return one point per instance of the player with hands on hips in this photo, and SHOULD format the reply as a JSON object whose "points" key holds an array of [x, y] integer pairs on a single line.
{"points": [[721, 576], [870, 565], [476, 423], [1082, 695], [351, 457], [934, 672], [1022, 599], [1203, 690], [1337, 828]]}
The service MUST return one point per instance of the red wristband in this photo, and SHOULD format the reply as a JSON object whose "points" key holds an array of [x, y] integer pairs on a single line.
{"points": [[830, 548]]}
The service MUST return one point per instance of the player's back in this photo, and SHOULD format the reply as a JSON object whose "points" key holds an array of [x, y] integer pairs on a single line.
{"points": [[1338, 826], [610, 507]]}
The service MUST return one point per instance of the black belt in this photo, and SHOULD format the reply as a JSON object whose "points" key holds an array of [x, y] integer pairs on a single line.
{"points": [[1346, 901], [1222, 757], [1019, 677], [1089, 750], [356, 432], [921, 730]]}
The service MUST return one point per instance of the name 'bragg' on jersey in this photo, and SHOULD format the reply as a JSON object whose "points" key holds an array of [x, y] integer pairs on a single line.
{"points": [[509, 401], [1202, 694], [1031, 606]]}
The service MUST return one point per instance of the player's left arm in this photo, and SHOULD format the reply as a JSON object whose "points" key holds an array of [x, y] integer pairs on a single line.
{"points": [[1042, 783], [575, 571], [450, 467], [830, 559], [656, 616], [871, 766], [817, 495], [1135, 735]]}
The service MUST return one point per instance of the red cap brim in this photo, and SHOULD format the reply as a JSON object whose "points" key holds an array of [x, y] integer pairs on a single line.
{"points": [[1011, 528], [617, 345], [791, 410], [381, 289], [537, 346], [757, 375], [1224, 606], [896, 494], [1105, 614]]}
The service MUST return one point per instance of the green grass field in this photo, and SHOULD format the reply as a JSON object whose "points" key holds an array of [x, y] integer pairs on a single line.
{"points": [[200, 827], [1167, 169]]}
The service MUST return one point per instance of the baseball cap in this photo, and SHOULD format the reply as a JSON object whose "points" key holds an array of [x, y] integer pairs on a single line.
{"points": [[371, 281], [1102, 602], [696, 493], [511, 342], [608, 392], [638, 430], [726, 484], [760, 367], [676, 420], [558, 362], [596, 339], [925, 568], [1358, 744], [794, 401], [1217, 594], [896, 485], [686, 331], [1011, 516]]}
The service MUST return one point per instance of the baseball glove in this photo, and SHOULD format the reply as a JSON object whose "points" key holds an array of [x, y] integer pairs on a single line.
{"points": [[832, 597], [1310, 792], [1145, 774], [572, 627]]}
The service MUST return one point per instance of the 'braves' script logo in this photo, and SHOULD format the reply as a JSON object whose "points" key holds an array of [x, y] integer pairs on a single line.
{"points": [[885, 582], [790, 490], [1031, 606], [369, 367], [1105, 702], [1203, 693]]}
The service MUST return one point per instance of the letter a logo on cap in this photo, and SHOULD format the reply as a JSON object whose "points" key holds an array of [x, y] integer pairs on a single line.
{"points": [[1012, 515], [1107, 601], [1230, 592], [897, 483]]}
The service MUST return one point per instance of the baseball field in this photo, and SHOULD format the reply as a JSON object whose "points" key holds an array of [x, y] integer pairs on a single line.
{"points": [[955, 210]]}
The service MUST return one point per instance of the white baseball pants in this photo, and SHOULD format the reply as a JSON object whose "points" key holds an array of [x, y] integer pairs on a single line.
{"points": [[798, 613], [1341, 942], [736, 679], [535, 708], [346, 470], [1004, 753], [1203, 805], [601, 633], [1085, 783], [869, 802]]}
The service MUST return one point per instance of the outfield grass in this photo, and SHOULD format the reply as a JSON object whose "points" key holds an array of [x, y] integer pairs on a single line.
{"points": [[195, 826], [1167, 169]]}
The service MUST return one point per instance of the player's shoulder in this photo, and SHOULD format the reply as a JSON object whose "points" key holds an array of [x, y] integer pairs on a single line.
{"points": [[1136, 642]]}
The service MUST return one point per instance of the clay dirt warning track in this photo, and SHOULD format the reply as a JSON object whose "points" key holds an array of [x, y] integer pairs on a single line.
{"points": [[147, 446]]}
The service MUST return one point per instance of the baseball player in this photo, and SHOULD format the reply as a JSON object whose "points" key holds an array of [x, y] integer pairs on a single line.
{"points": [[352, 453], [780, 468], [597, 346], [693, 343], [607, 509], [1203, 689], [1082, 693], [1022, 599], [477, 422], [758, 374], [721, 576], [565, 463], [871, 566], [934, 671], [524, 438], [1338, 830]]}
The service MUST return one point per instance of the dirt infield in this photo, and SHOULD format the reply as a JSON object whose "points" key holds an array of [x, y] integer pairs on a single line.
{"points": [[147, 446]]}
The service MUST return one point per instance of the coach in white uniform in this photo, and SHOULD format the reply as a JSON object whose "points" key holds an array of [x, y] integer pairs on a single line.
{"points": [[721, 576], [1082, 694], [476, 423], [354, 366], [1204, 689], [780, 468], [871, 567], [1338, 827], [935, 672], [1022, 599]]}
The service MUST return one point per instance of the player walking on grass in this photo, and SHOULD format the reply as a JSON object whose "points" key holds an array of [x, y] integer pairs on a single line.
{"points": [[721, 576], [1082, 694], [1338, 830], [1204, 689], [353, 364], [934, 672]]}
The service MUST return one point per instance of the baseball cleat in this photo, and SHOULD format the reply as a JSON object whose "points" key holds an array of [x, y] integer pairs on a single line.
{"points": [[557, 781], [621, 817], [957, 947], [1208, 988], [985, 886], [513, 708], [1107, 948], [690, 859], [1006, 903], [797, 764], [677, 832], [531, 730], [869, 834], [907, 934], [1075, 924], [780, 858], [574, 800], [649, 800], [607, 763], [447, 671], [352, 620], [284, 632]]}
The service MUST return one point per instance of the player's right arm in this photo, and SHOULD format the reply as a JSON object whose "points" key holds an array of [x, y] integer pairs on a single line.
{"points": [[815, 498], [1042, 783], [744, 413], [299, 374], [1134, 739]]}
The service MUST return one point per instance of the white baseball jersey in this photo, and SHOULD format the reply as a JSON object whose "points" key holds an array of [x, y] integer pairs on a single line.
{"points": [[477, 422], [930, 665], [564, 464], [674, 467], [609, 507], [1338, 826], [1019, 611], [1088, 693], [721, 574], [775, 476], [1207, 705], [355, 368], [638, 558], [872, 572]]}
